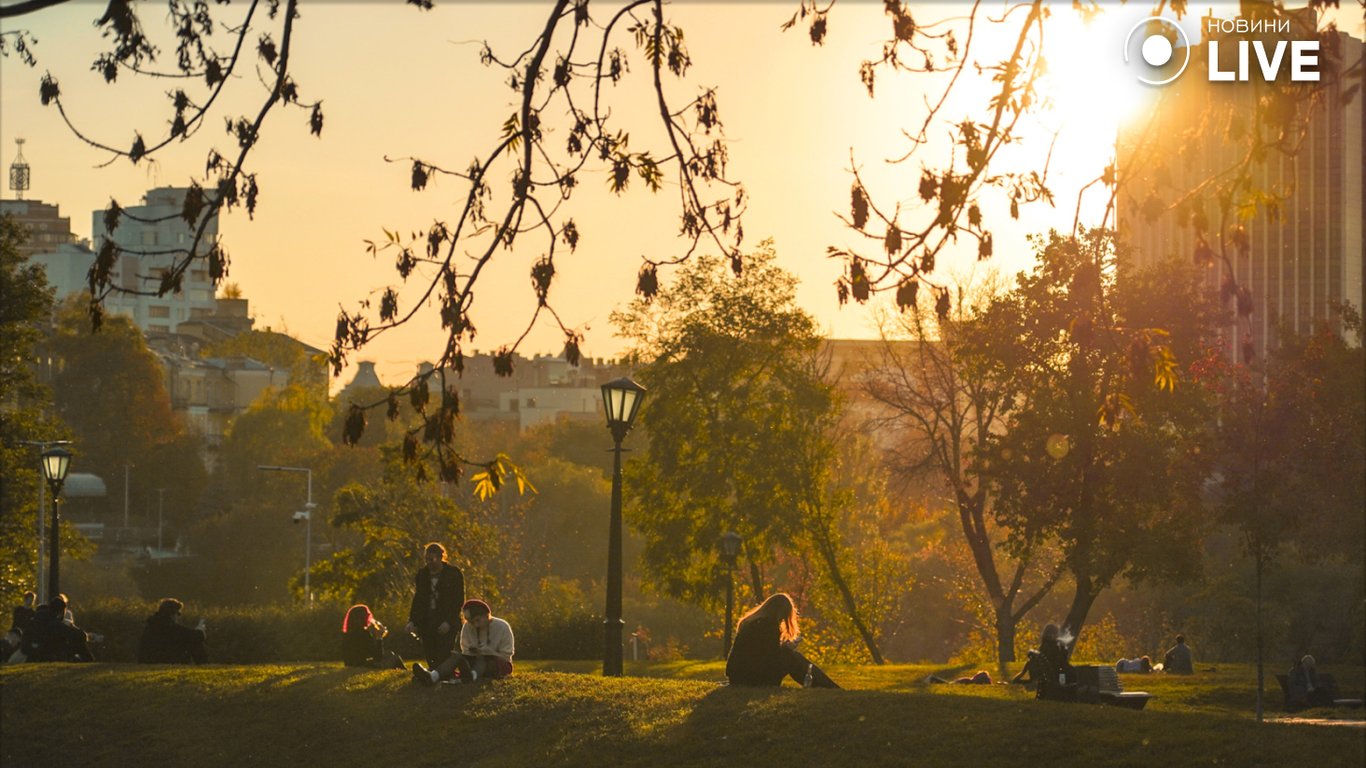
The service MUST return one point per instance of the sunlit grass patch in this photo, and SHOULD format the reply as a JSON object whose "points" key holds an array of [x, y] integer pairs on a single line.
{"points": [[678, 715]]}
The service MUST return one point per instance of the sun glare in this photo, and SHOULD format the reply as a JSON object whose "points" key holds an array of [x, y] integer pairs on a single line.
{"points": [[1088, 94]]}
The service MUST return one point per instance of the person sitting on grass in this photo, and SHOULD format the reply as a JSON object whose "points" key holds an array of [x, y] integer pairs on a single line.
{"points": [[363, 641], [1306, 689], [765, 648], [166, 641], [1178, 659], [1048, 668], [9, 647], [486, 649], [51, 638]]}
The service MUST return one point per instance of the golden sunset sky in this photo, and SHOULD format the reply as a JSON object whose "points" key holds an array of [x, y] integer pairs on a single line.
{"points": [[399, 82]]}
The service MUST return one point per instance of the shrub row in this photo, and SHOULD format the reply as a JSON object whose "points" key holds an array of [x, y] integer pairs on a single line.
{"points": [[257, 635]]}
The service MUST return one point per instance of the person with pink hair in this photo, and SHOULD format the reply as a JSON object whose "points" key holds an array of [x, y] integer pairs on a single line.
{"points": [[363, 641]]}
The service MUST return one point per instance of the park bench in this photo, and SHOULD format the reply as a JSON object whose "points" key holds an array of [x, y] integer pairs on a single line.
{"points": [[1100, 684], [1297, 696]]}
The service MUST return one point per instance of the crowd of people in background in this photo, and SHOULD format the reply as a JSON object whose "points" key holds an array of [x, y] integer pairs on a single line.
{"points": [[463, 642]]}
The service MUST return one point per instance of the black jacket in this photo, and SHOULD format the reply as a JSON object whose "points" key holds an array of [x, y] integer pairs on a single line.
{"points": [[758, 657], [166, 642], [450, 595]]}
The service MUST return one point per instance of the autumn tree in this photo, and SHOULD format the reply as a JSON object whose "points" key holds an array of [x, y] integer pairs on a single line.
{"points": [[942, 402], [110, 387], [1095, 452], [26, 413], [1292, 451], [739, 421]]}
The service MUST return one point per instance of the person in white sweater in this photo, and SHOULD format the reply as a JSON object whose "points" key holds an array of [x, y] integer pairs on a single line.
{"points": [[486, 649]]}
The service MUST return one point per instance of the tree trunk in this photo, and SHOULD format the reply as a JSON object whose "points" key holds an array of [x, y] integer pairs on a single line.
{"points": [[827, 550], [1082, 600], [1005, 636]]}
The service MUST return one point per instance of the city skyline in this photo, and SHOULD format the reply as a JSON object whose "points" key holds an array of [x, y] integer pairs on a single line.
{"points": [[792, 113]]}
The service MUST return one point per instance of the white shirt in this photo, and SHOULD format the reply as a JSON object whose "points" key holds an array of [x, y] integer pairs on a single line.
{"points": [[494, 640]]}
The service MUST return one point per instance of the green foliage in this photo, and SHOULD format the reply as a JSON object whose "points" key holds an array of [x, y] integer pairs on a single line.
{"points": [[25, 412], [734, 398], [1096, 453], [1293, 444], [111, 389], [235, 635], [557, 623], [393, 519]]}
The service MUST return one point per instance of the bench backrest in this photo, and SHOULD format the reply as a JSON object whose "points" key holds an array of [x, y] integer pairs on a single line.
{"points": [[1101, 678]]}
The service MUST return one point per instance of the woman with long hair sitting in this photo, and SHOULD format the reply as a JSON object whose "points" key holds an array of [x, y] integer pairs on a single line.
{"points": [[363, 641], [765, 648]]}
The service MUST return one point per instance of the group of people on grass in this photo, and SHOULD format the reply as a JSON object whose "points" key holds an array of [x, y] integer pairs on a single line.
{"points": [[48, 632], [1050, 664], [764, 652], [462, 641]]}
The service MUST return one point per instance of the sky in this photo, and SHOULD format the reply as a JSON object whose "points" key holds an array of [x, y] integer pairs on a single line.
{"points": [[397, 82]]}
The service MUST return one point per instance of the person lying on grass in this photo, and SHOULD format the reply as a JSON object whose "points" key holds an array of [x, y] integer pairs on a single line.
{"points": [[486, 649], [765, 648]]}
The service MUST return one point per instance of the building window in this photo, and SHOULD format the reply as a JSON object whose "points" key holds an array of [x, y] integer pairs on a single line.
{"points": [[159, 312]]}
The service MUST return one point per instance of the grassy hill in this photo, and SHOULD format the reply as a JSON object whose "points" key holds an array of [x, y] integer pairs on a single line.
{"points": [[563, 714]]}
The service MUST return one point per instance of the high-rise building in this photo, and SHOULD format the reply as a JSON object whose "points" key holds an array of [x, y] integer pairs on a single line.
{"points": [[48, 229], [151, 237], [1299, 251]]}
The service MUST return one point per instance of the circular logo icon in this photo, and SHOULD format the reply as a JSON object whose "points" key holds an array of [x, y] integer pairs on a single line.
{"points": [[1157, 50]]}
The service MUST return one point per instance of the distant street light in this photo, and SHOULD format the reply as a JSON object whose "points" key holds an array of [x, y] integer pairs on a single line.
{"points": [[730, 550], [42, 445], [621, 399], [307, 516], [56, 462]]}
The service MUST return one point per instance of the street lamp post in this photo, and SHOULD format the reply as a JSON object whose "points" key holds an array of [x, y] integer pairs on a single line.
{"points": [[730, 549], [307, 516], [42, 446], [56, 462], [621, 399]]}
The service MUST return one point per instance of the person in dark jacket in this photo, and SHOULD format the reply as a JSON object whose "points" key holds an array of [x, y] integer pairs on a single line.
{"points": [[1048, 667], [164, 641], [439, 591], [24, 613], [363, 641], [1178, 659], [765, 648], [50, 638]]}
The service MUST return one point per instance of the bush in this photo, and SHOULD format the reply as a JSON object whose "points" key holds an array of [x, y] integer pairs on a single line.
{"points": [[236, 635]]}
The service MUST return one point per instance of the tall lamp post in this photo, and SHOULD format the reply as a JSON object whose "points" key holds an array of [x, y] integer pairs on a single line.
{"points": [[730, 550], [42, 446], [621, 399], [56, 462], [307, 516]]}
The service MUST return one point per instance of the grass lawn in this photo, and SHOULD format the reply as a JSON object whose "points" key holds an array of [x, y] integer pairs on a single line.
{"points": [[563, 713]]}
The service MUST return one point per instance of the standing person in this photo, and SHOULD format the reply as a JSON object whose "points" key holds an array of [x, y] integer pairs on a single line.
{"points": [[765, 648], [1178, 659], [363, 641], [166, 641], [486, 649], [438, 593]]}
